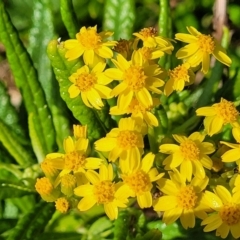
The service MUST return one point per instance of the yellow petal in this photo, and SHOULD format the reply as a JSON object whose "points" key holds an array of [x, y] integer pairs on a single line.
{"points": [[105, 144], [73, 91], [84, 190], [147, 162], [92, 176], [219, 54], [93, 163], [144, 200], [223, 194], [111, 210], [184, 37], [114, 73], [165, 203], [231, 155], [86, 203], [205, 63], [206, 148], [206, 162], [68, 145], [144, 97], [206, 111], [168, 148], [88, 57], [186, 170], [212, 200], [104, 52], [103, 91], [187, 219], [235, 230], [170, 216], [167, 186], [124, 99], [213, 221]]}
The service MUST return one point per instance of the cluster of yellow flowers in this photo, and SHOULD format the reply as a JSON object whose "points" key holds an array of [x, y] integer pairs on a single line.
{"points": [[119, 167]]}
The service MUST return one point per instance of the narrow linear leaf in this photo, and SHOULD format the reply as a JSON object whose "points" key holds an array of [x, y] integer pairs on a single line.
{"points": [[63, 69], [38, 41], [8, 113], [26, 79], [59, 236], [13, 168], [32, 223], [119, 17], [9, 141], [69, 17], [12, 189]]}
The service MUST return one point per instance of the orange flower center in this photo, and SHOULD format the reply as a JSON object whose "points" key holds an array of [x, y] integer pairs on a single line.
{"points": [[189, 150], [139, 182], [128, 139], [206, 43], [148, 32], [179, 73], [44, 186], [89, 39], [230, 213], [135, 78], [135, 107], [227, 111], [187, 198], [74, 161], [62, 205], [104, 192], [85, 81]]}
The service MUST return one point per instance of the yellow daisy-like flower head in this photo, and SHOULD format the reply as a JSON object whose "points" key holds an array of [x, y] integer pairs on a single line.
{"points": [[190, 155], [151, 40], [136, 80], [199, 49], [90, 44], [124, 142], [62, 205], [46, 189], [101, 190], [138, 180], [90, 84], [139, 112], [181, 200], [226, 217], [218, 115], [179, 77], [74, 160]]}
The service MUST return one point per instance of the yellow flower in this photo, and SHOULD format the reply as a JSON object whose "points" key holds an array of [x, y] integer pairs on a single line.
{"points": [[136, 80], [90, 44], [74, 160], [138, 112], [233, 154], [91, 85], [46, 189], [181, 200], [218, 115], [151, 40], [101, 191], [138, 180], [124, 47], [199, 49], [191, 155], [124, 142], [227, 213], [179, 77], [62, 205], [79, 131]]}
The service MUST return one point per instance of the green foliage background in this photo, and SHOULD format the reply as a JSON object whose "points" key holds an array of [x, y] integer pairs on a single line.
{"points": [[45, 117]]}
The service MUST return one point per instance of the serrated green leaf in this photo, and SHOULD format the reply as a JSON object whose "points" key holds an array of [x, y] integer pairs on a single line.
{"points": [[63, 69], [26, 79], [119, 17], [32, 223], [69, 17], [9, 141], [12, 189]]}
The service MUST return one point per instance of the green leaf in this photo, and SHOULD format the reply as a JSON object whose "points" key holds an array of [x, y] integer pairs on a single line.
{"points": [[59, 236], [153, 234], [122, 225], [6, 224], [38, 40], [69, 17], [33, 223], [119, 17], [26, 79], [102, 224], [12, 168], [9, 141], [10, 189], [63, 69], [9, 114]]}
